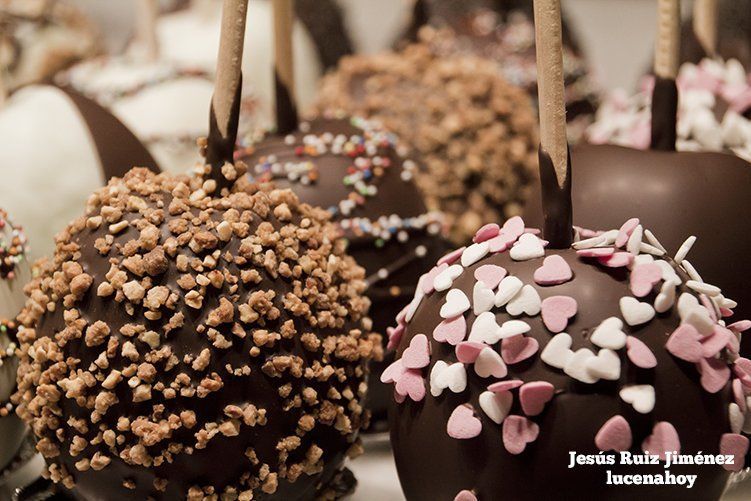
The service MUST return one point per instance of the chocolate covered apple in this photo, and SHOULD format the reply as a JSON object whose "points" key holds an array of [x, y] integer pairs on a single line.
{"points": [[194, 337]]}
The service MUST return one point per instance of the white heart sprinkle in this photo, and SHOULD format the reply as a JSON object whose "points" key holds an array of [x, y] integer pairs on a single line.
{"points": [[445, 279], [436, 386], [485, 329], [483, 298], [576, 367], [527, 247], [635, 312], [640, 396], [557, 352], [456, 303], [443, 376], [726, 302], [686, 303], [634, 241], [668, 272], [700, 318], [666, 298], [606, 365], [526, 301], [609, 334], [610, 236], [496, 405], [736, 418], [642, 259], [511, 328], [489, 363], [507, 289], [684, 249], [703, 288], [474, 253]]}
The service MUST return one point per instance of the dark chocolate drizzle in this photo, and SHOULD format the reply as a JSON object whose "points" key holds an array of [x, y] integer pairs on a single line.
{"points": [[557, 209], [664, 114], [324, 21], [119, 150], [286, 110], [420, 18], [220, 149]]}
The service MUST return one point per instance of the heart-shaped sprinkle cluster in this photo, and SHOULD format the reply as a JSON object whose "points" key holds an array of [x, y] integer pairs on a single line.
{"points": [[715, 96], [488, 335]]}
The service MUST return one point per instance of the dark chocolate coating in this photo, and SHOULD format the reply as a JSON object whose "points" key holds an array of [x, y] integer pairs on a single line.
{"points": [[394, 196], [664, 114], [556, 199], [118, 148], [223, 461], [675, 195], [434, 466], [325, 22]]}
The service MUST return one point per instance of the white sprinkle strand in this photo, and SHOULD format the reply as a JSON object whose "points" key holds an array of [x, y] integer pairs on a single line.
{"points": [[684, 249]]}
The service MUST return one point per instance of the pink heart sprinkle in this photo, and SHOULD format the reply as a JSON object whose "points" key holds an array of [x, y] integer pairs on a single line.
{"points": [[533, 396], [737, 446], [625, 232], [556, 311], [719, 339], [598, 252], [715, 374], [502, 386], [663, 439], [734, 344], [402, 315], [740, 326], [501, 242], [684, 343], [463, 424], [644, 277], [451, 257], [487, 232], [640, 354], [726, 312], [617, 260], [739, 395], [411, 384], [468, 351], [535, 231], [417, 354], [518, 431], [395, 336], [586, 232], [742, 370], [614, 435], [465, 495], [399, 398], [554, 270], [490, 274], [451, 331], [393, 372], [516, 349], [428, 284], [513, 227]]}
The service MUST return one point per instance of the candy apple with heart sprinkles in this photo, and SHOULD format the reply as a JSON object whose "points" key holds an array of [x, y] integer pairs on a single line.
{"points": [[675, 193], [517, 351]]}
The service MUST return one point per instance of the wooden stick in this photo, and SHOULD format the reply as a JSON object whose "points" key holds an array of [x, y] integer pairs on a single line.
{"points": [[667, 48], [705, 25], [225, 104], [284, 72], [550, 86], [147, 13]]}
